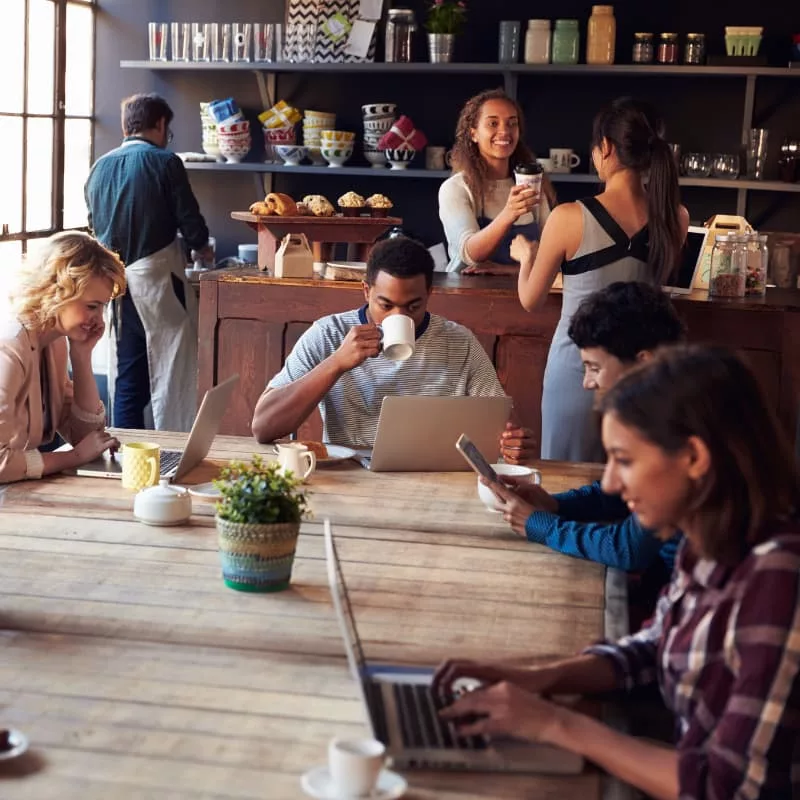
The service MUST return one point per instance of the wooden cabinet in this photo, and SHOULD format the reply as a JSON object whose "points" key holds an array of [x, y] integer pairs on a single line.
{"points": [[250, 322]]}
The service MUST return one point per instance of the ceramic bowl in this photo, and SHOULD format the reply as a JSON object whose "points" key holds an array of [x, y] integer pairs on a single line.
{"points": [[328, 136], [291, 154], [378, 110], [279, 135], [488, 497], [336, 156], [240, 126], [376, 158], [400, 159], [234, 148]]}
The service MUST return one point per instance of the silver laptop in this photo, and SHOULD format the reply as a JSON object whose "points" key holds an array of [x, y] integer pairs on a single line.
{"points": [[416, 433], [402, 709], [176, 463]]}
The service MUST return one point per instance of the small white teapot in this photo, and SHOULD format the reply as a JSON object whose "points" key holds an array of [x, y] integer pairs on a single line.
{"points": [[163, 504], [297, 458]]}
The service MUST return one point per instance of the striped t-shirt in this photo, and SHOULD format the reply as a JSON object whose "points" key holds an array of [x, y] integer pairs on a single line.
{"points": [[447, 361]]}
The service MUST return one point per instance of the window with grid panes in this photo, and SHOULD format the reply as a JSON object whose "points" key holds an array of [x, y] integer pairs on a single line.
{"points": [[46, 109]]}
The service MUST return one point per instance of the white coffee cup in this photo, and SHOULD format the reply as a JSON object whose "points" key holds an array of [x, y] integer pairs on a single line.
{"points": [[516, 470], [564, 159], [434, 157], [398, 337], [355, 765], [545, 163], [297, 458]]}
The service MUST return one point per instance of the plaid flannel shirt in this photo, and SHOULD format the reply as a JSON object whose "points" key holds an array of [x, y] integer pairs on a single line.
{"points": [[724, 646]]}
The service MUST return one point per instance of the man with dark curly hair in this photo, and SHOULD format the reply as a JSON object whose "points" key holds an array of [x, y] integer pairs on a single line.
{"points": [[615, 329]]}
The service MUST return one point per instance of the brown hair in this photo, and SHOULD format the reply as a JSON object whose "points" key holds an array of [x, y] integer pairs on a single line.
{"points": [[59, 274], [467, 158], [637, 133], [707, 392], [142, 112]]}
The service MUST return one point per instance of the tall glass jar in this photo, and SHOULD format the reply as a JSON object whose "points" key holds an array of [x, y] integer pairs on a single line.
{"points": [[400, 29], [667, 52], [757, 259], [601, 36], [728, 266], [537, 42], [566, 41], [695, 49], [642, 48]]}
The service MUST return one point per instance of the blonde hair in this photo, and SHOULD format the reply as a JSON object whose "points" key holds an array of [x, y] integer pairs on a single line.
{"points": [[59, 273]]}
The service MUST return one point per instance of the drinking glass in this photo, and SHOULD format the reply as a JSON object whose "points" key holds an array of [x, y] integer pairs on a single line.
{"points": [[158, 33], [263, 41], [242, 39], [201, 41], [726, 166], [697, 165], [220, 33], [756, 152], [181, 41]]}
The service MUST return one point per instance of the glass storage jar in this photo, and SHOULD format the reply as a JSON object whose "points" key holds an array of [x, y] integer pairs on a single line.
{"points": [[695, 49], [728, 266], [667, 48], [601, 36], [400, 29], [537, 42], [642, 48], [566, 41], [757, 260]]}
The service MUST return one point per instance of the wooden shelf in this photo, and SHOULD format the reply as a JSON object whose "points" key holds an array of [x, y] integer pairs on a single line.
{"points": [[468, 68]]}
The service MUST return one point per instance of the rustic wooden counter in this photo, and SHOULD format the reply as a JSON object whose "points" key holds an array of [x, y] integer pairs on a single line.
{"points": [[249, 322]]}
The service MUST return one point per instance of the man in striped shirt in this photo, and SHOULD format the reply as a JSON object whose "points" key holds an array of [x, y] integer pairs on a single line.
{"points": [[337, 364]]}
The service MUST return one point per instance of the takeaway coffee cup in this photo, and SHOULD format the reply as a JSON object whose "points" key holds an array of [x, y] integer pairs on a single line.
{"points": [[355, 765], [530, 175], [398, 335]]}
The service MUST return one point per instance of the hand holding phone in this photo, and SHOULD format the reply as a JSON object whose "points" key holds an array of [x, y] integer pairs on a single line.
{"points": [[475, 459]]}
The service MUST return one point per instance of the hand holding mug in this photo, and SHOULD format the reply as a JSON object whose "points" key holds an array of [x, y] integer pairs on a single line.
{"points": [[362, 342]]}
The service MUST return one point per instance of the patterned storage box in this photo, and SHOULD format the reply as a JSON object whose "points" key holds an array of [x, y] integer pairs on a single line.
{"points": [[317, 12]]}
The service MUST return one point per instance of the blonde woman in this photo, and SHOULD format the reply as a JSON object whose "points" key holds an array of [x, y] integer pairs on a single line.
{"points": [[62, 296]]}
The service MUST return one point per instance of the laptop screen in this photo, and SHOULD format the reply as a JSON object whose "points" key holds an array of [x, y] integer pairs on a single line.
{"points": [[690, 255]]}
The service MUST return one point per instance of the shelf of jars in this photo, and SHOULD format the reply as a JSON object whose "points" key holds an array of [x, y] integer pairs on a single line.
{"points": [[687, 71]]}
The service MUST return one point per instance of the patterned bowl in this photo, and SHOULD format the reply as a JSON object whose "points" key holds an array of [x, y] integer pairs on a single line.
{"points": [[336, 156], [234, 148], [336, 136], [376, 158], [378, 110], [291, 154], [400, 159]]}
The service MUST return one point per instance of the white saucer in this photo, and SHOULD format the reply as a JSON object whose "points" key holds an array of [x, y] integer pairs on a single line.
{"points": [[317, 783], [206, 491], [19, 744]]}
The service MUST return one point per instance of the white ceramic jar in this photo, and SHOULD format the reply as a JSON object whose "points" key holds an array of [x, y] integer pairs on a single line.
{"points": [[537, 42], [163, 504]]}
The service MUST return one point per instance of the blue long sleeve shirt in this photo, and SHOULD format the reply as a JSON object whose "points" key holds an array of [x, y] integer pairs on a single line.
{"points": [[619, 541]]}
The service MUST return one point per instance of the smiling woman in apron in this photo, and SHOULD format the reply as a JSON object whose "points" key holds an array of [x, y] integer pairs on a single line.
{"points": [[480, 207]]}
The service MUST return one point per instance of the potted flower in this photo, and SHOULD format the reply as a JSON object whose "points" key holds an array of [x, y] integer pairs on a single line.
{"points": [[446, 19], [258, 523]]}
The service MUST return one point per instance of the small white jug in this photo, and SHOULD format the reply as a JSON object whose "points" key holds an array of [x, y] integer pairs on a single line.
{"points": [[297, 458]]}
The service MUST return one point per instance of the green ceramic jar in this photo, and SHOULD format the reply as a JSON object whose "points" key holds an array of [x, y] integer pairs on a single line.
{"points": [[566, 41]]}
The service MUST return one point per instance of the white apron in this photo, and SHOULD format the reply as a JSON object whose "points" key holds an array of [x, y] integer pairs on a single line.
{"points": [[171, 333]]}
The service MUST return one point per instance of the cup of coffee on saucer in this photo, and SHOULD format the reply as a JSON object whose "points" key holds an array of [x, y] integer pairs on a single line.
{"points": [[398, 335], [489, 498]]}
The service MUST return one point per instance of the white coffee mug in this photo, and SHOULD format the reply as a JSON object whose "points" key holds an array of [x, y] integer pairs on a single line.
{"points": [[434, 157], [399, 338], [516, 470], [564, 160], [355, 765], [545, 163], [297, 458]]}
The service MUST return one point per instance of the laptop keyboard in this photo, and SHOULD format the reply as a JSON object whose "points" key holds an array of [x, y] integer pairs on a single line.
{"points": [[420, 725], [169, 460]]}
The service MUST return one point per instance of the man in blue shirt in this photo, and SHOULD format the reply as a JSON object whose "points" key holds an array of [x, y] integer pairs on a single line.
{"points": [[615, 329]]}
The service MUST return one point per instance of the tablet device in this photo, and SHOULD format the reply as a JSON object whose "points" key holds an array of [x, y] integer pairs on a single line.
{"points": [[681, 281]]}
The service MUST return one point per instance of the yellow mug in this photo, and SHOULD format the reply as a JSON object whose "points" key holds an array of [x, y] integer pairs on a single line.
{"points": [[141, 465]]}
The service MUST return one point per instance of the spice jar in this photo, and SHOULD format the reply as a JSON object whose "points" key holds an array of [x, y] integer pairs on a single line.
{"points": [[601, 36], [642, 48], [400, 29], [667, 48], [566, 41], [537, 42], [757, 258], [728, 266], [695, 50]]}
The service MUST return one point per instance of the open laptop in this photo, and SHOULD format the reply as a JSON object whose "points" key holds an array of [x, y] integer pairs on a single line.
{"points": [[682, 280], [416, 433], [402, 709], [176, 463]]}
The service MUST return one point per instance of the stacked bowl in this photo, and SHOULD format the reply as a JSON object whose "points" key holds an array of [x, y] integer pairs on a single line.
{"points": [[210, 139], [275, 137], [336, 146], [314, 122], [378, 119], [234, 139]]}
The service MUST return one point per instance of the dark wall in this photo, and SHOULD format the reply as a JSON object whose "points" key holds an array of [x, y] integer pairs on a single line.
{"points": [[701, 114]]}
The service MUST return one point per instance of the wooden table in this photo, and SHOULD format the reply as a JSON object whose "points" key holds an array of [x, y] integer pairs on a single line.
{"points": [[137, 674], [323, 233]]}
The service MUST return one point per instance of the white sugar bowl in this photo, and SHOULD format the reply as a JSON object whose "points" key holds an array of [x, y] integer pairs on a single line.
{"points": [[163, 504]]}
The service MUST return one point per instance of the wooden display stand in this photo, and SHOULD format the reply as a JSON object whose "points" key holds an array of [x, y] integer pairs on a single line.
{"points": [[322, 232]]}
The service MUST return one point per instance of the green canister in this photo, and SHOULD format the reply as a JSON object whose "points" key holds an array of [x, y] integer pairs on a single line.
{"points": [[566, 41]]}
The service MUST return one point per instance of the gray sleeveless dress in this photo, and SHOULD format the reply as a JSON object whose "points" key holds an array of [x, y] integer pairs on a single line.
{"points": [[570, 428]]}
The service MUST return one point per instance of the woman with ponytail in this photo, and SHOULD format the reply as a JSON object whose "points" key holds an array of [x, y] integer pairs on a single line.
{"points": [[632, 231]]}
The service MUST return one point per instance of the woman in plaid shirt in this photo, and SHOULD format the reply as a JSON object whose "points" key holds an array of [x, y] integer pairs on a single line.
{"points": [[692, 445]]}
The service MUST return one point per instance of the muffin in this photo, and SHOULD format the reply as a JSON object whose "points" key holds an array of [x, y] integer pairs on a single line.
{"points": [[379, 205], [351, 204], [319, 205]]}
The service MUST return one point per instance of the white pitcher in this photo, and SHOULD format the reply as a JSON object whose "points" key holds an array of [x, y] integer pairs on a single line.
{"points": [[297, 458]]}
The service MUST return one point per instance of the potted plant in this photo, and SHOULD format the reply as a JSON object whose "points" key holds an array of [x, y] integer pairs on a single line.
{"points": [[258, 523], [446, 19]]}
